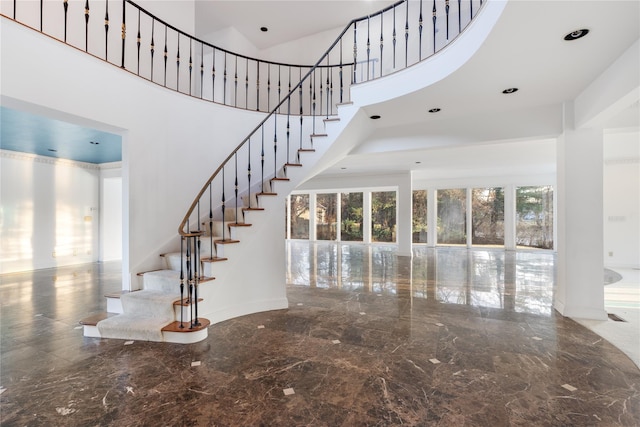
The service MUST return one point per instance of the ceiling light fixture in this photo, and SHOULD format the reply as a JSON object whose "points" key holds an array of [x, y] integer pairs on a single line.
{"points": [[374, 117], [577, 34], [434, 110], [52, 150], [264, 29], [417, 163], [343, 168], [510, 90], [93, 142]]}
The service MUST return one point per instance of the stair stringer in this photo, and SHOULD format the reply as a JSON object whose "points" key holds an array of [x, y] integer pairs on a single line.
{"points": [[253, 278]]}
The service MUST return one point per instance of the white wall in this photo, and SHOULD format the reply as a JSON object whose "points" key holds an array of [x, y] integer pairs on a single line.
{"points": [[49, 214], [622, 199], [111, 213]]}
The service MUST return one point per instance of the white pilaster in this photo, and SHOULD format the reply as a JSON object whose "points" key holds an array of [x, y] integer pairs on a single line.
{"points": [[432, 217], [404, 213], [510, 217], [366, 216], [312, 217]]}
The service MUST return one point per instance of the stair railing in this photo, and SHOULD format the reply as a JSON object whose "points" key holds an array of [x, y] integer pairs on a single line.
{"points": [[254, 150]]}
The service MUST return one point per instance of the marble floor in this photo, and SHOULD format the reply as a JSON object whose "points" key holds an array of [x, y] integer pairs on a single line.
{"points": [[449, 338]]}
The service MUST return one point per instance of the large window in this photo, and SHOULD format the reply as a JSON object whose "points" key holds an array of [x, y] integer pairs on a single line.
{"points": [[299, 216], [383, 216], [534, 217], [487, 216], [452, 214], [351, 217], [419, 225], [326, 216]]}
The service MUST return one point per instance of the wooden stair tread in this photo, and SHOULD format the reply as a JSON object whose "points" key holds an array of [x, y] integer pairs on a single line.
{"points": [[332, 119], [186, 302], [293, 165], [194, 233], [213, 259], [142, 273], [279, 179], [206, 279], [239, 224], [226, 241], [95, 318], [175, 326]]}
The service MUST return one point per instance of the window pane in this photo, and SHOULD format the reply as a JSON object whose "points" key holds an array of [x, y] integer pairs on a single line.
{"points": [[534, 217], [299, 216], [488, 216], [326, 218], [351, 217], [383, 216], [452, 222], [419, 228]]}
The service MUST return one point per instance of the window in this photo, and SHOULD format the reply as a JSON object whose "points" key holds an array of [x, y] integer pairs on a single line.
{"points": [[452, 217], [534, 217], [487, 216], [326, 216], [419, 226], [299, 216], [351, 217], [383, 216]]}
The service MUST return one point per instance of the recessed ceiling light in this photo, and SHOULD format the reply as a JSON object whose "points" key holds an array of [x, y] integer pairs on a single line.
{"points": [[374, 117], [510, 90], [434, 110], [93, 142], [577, 34], [52, 150], [417, 163], [343, 168], [264, 29]]}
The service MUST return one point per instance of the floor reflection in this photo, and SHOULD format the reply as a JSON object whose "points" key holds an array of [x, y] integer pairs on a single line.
{"points": [[512, 281]]}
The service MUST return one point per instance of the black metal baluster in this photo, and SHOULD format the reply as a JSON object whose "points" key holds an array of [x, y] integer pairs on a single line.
{"points": [[166, 56], [189, 274], [196, 322], [406, 37], [235, 157], [329, 71], [321, 90], [268, 87], [178, 66], [235, 82], [106, 31], [341, 74], [257, 85], [330, 99], [191, 69], [153, 44], [210, 220], [288, 115], [249, 170], [65, 6], [213, 75], [301, 110], [446, 10], [41, 13], [313, 100], [246, 84], [368, 46], [420, 32], [435, 17], [124, 30], [181, 283], [394, 36], [459, 16], [355, 50], [138, 41], [275, 147], [470, 10], [279, 85], [262, 161], [86, 26], [223, 207], [381, 40], [224, 81], [201, 70], [14, 9]]}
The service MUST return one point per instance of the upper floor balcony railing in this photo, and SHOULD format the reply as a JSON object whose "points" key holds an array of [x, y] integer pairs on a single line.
{"points": [[124, 34]]}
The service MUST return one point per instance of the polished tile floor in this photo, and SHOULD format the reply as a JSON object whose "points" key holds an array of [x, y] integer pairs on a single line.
{"points": [[449, 338]]}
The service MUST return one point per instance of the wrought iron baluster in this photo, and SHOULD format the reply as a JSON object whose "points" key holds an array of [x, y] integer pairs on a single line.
{"points": [[257, 85], [235, 83], [178, 66], [191, 69], [224, 81], [368, 46], [213, 75], [14, 9], [275, 146], [201, 70], [138, 41], [65, 6], [210, 220], [420, 32], [446, 11], [406, 37], [329, 71], [279, 85], [435, 17], [106, 31], [313, 101], [166, 56], [394, 36], [223, 207], [189, 275], [262, 161], [86, 26], [124, 30], [41, 13], [246, 84], [381, 40], [288, 116], [153, 45], [301, 109], [459, 16], [321, 90], [269, 87], [249, 170], [235, 188], [195, 322], [181, 283], [470, 10], [341, 73], [355, 50]]}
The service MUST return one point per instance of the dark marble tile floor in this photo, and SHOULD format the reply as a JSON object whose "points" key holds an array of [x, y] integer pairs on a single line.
{"points": [[449, 338]]}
